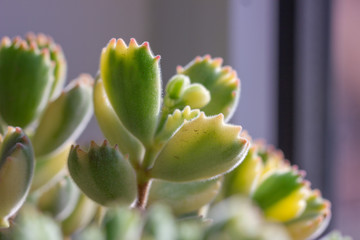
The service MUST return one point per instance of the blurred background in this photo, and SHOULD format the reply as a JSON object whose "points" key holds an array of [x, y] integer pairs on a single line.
{"points": [[298, 61]]}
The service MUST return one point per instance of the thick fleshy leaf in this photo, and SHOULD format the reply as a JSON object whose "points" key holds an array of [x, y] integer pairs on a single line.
{"points": [[82, 215], [57, 57], [123, 223], [33, 225], [60, 200], [238, 218], [202, 148], [103, 174], [159, 224], [184, 197], [50, 169], [65, 118], [26, 78], [112, 128], [272, 159], [16, 172], [282, 195], [131, 76], [313, 221], [222, 82], [243, 179]]}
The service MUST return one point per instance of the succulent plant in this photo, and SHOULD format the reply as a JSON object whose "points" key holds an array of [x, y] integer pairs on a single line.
{"points": [[280, 191], [32, 76], [171, 167]]}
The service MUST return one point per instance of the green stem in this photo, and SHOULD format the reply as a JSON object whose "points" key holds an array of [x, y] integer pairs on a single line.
{"points": [[149, 157]]}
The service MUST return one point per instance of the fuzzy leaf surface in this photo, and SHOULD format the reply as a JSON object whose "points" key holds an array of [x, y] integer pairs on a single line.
{"points": [[131, 76], [25, 82], [202, 148], [65, 118], [103, 174]]}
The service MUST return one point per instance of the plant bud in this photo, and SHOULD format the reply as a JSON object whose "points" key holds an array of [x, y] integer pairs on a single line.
{"points": [[222, 83], [131, 76], [103, 174], [176, 86], [24, 94], [196, 96], [202, 148], [65, 118], [16, 172]]}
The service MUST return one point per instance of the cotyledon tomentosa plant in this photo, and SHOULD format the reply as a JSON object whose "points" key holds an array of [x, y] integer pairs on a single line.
{"points": [[178, 146], [175, 150], [172, 143], [32, 75]]}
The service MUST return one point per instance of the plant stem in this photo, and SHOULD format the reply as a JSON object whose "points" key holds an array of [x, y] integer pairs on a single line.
{"points": [[149, 157], [143, 193]]}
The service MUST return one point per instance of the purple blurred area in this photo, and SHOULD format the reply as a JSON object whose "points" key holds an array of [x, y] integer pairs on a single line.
{"points": [[346, 47]]}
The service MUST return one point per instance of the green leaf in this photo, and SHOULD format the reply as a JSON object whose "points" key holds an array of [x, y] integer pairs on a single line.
{"points": [[313, 221], [65, 118], [103, 174], [222, 82], [82, 215], [123, 223], [243, 179], [50, 169], [160, 224], [184, 197], [202, 148], [131, 77], [112, 128], [26, 77], [57, 57], [16, 172], [60, 200], [33, 225], [282, 195]]}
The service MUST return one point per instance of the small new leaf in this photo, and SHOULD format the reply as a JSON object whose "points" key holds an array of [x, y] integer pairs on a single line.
{"points": [[222, 82]]}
